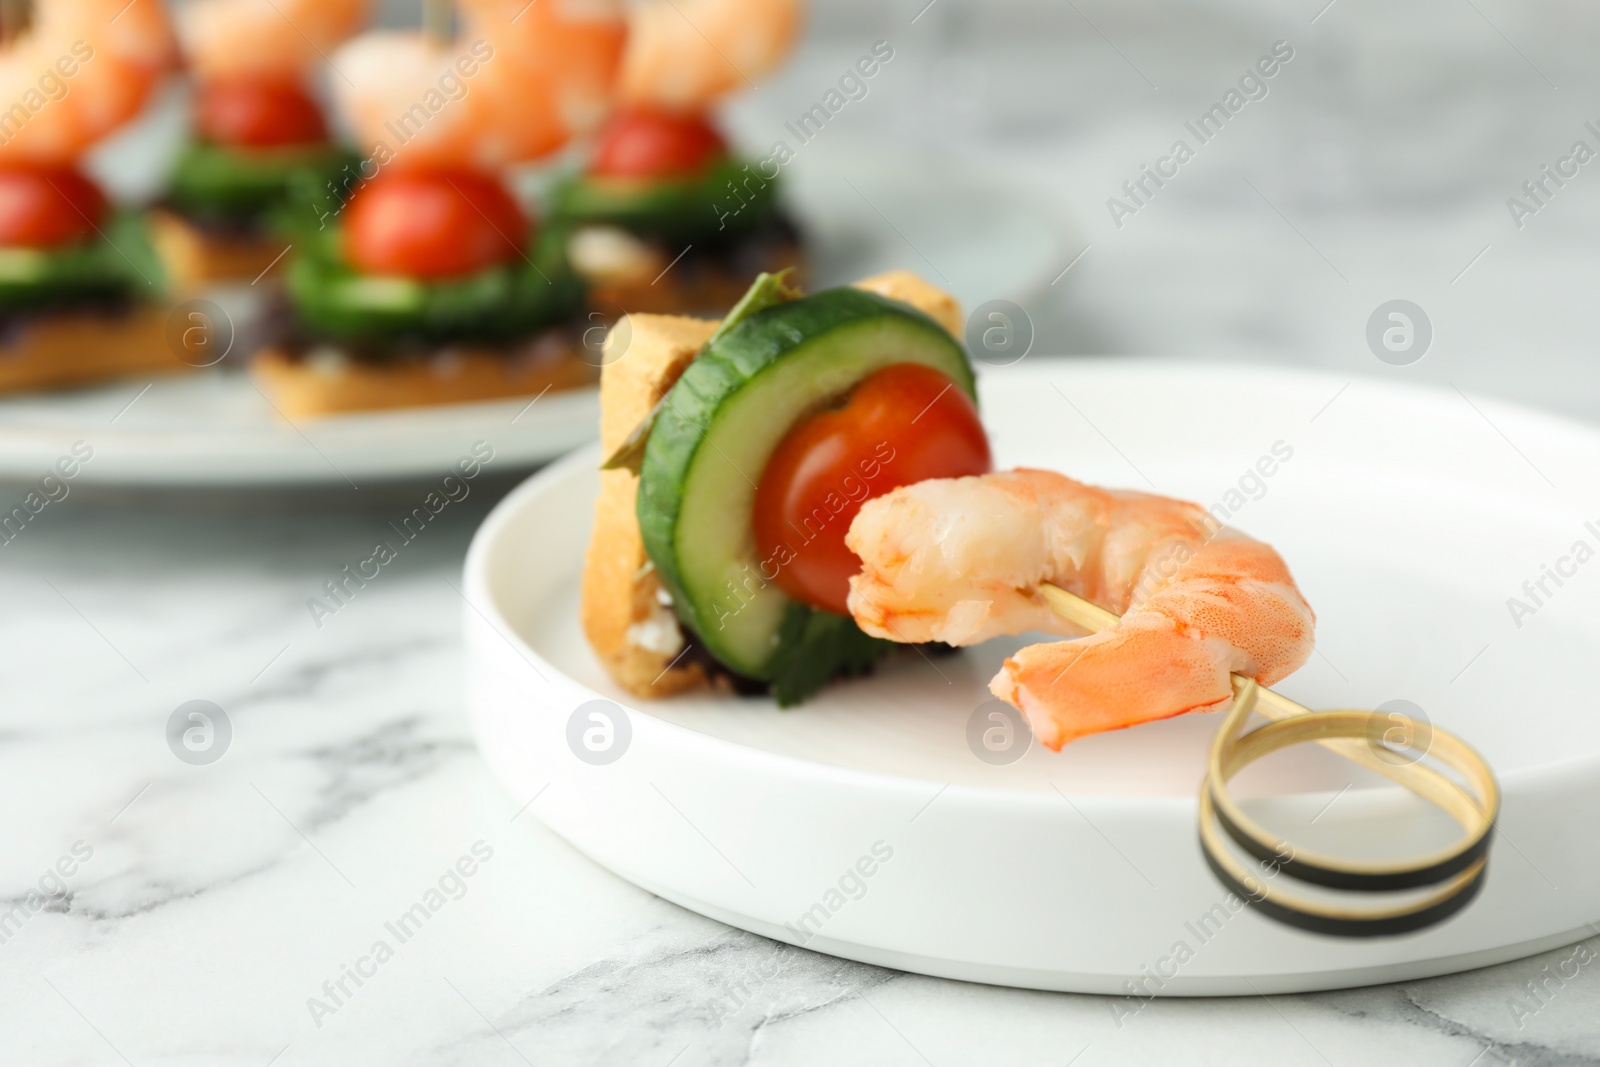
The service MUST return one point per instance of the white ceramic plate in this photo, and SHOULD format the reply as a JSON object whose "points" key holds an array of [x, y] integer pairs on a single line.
{"points": [[982, 238], [1408, 520]]}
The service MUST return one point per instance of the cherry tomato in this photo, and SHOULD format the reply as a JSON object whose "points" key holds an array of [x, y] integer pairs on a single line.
{"points": [[903, 424], [432, 224], [44, 207], [258, 112], [648, 143]]}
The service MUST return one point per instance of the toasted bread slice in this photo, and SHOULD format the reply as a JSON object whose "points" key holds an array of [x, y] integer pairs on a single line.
{"points": [[65, 348], [908, 288], [196, 258], [327, 383], [625, 611], [628, 622]]}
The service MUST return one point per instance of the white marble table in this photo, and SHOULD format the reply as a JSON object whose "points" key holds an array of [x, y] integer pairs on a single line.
{"points": [[212, 911], [217, 900]]}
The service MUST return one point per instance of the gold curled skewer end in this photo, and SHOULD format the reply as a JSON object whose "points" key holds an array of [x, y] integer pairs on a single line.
{"points": [[1458, 870]]}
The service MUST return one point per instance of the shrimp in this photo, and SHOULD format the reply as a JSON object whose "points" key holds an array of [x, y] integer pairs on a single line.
{"points": [[961, 560], [520, 81], [281, 38], [684, 54], [83, 68]]}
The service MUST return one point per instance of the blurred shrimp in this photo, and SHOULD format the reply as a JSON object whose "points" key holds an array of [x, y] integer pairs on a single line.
{"points": [[80, 70], [279, 38], [961, 560], [684, 54], [518, 82]]}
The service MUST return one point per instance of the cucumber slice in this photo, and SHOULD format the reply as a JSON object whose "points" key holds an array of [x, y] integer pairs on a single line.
{"points": [[498, 305], [719, 425], [730, 198], [214, 181], [399, 296], [23, 266], [114, 265]]}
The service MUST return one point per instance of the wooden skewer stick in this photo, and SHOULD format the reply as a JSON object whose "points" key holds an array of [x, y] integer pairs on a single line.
{"points": [[1274, 706], [438, 21]]}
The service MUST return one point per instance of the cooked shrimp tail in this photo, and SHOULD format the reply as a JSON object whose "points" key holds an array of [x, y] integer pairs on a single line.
{"points": [[961, 560], [81, 69], [519, 81], [281, 38], [685, 54]]}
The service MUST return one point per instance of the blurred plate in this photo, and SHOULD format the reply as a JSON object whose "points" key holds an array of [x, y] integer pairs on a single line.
{"points": [[977, 235]]}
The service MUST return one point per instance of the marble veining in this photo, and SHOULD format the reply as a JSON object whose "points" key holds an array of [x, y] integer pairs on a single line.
{"points": [[220, 901]]}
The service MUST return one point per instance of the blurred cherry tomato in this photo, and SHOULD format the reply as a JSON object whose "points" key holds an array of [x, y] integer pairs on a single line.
{"points": [[258, 112], [648, 143], [45, 207], [432, 224]]}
